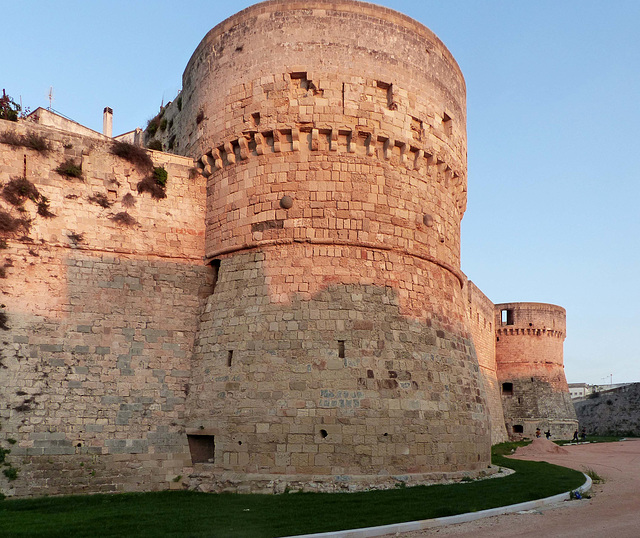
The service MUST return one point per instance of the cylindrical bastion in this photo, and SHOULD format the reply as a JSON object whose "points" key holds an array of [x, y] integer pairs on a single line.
{"points": [[334, 350], [529, 357]]}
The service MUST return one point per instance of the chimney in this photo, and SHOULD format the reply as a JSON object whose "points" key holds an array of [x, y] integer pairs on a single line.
{"points": [[107, 122]]}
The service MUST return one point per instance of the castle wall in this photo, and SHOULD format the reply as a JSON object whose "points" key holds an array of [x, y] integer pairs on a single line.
{"points": [[481, 313], [335, 349], [529, 356], [611, 412], [100, 320]]}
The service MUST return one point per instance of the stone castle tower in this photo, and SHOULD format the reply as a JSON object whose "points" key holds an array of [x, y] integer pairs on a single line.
{"points": [[288, 310], [335, 341], [529, 357]]}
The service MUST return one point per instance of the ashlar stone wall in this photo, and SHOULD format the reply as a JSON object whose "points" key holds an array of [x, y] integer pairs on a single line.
{"points": [[335, 349], [100, 318], [481, 312]]}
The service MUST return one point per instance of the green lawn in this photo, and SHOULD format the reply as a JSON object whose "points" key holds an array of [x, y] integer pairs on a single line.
{"points": [[186, 513], [591, 439]]}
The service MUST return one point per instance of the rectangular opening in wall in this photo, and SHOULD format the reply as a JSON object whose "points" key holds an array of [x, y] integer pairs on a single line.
{"points": [[447, 124], [518, 428], [341, 349], [202, 448], [229, 357], [507, 389], [215, 267], [507, 317]]}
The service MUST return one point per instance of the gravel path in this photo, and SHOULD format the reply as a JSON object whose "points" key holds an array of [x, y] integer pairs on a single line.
{"points": [[613, 510]]}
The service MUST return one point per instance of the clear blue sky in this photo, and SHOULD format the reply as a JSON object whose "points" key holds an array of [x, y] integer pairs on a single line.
{"points": [[553, 94]]}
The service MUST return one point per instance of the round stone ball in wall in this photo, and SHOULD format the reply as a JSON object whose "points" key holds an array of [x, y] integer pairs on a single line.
{"points": [[427, 220], [286, 202]]}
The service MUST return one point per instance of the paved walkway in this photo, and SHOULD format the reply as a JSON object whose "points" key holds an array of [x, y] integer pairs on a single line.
{"points": [[613, 510]]}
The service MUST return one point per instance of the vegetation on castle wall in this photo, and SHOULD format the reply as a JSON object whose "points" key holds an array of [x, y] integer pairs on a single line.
{"points": [[152, 127], [100, 199], [156, 123], [155, 145], [155, 184], [134, 154], [30, 140], [160, 175], [16, 192], [124, 218], [128, 200], [148, 184], [75, 238], [43, 208], [9, 224], [70, 169]]}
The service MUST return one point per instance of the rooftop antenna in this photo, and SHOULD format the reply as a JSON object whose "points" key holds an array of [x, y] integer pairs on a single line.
{"points": [[50, 96]]}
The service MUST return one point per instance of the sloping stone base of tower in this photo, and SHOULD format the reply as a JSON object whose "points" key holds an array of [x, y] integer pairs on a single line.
{"points": [[349, 384]]}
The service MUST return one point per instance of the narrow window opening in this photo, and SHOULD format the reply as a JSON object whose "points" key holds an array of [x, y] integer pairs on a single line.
{"points": [[341, 349], [202, 448], [507, 389], [256, 118], [229, 357], [518, 428], [215, 266], [506, 317], [447, 124]]}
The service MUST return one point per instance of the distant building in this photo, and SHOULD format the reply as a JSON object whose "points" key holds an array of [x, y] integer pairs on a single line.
{"points": [[582, 390]]}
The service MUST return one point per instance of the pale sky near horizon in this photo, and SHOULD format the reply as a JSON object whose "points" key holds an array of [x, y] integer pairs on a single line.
{"points": [[553, 116]]}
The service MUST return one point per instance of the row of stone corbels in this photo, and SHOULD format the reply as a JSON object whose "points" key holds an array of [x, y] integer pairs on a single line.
{"points": [[376, 144], [515, 331]]}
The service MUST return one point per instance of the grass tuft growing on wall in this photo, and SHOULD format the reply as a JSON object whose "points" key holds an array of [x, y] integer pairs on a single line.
{"points": [[30, 140], [133, 154], [19, 189], [70, 169], [124, 219]]}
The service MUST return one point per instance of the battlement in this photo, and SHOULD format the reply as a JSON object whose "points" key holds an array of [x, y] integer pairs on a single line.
{"points": [[342, 140]]}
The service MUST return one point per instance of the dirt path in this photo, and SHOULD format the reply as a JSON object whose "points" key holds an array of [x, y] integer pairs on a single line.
{"points": [[613, 510]]}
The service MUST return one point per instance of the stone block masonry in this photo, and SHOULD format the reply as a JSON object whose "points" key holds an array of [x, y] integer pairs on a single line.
{"points": [[335, 343], [292, 314], [101, 320]]}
